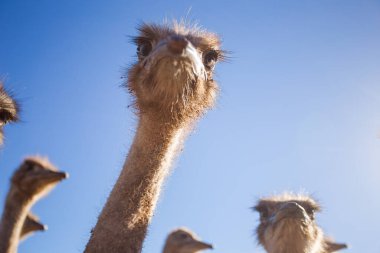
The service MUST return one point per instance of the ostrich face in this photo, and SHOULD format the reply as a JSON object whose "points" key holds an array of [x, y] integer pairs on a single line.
{"points": [[8, 110], [183, 241], [287, 225], [36, 176], [173, 75]]}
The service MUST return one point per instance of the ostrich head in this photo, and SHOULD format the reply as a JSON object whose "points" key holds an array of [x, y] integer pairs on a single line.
{"points": [[36, 177], [8, 110], [173, 77], [184, 241], [287, 225]]}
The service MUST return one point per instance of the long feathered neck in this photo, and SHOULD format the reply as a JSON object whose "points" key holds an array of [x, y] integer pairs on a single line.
{"points": [[169, 248], [123, 222], [296, 241], [15, 211]]}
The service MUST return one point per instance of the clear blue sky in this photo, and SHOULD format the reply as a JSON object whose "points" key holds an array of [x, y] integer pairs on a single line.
{"points": [[299, 109]]}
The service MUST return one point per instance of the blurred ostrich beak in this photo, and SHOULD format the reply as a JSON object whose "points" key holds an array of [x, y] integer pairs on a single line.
{"points": [[199, 245], [55, 176]]}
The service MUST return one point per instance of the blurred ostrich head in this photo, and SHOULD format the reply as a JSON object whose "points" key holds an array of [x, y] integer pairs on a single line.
{"points": [[183, 240], [35, 177], [288, 225]]}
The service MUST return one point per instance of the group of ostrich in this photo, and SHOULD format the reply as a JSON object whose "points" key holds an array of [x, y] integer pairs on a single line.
{"points": [[172, 85]]}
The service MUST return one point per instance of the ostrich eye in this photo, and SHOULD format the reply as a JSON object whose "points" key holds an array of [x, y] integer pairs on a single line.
{"points": [[30, 168], [210, 58], [183, 236], [264, 214], [144, 49], [5, 116], [310, 211]]}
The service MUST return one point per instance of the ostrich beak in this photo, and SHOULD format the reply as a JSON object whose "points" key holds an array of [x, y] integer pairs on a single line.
{"points": [[199, 245], [64, 175], [55, 176], [332, 246], [291, 210], [40, 226]]}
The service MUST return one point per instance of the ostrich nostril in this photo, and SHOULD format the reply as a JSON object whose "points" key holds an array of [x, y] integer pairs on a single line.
{"points": [[177, 44]]}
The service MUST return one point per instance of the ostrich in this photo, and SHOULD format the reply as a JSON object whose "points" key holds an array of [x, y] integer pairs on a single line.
{"points": [[173, 86], [31, 225], [8, 110], [30, 182], [287, 225], [183, 240]]}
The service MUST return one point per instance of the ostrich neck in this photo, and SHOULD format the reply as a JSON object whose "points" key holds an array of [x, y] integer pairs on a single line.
{"points": [[168, 249], [296, 243], [123, 222], [16, 208]]}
